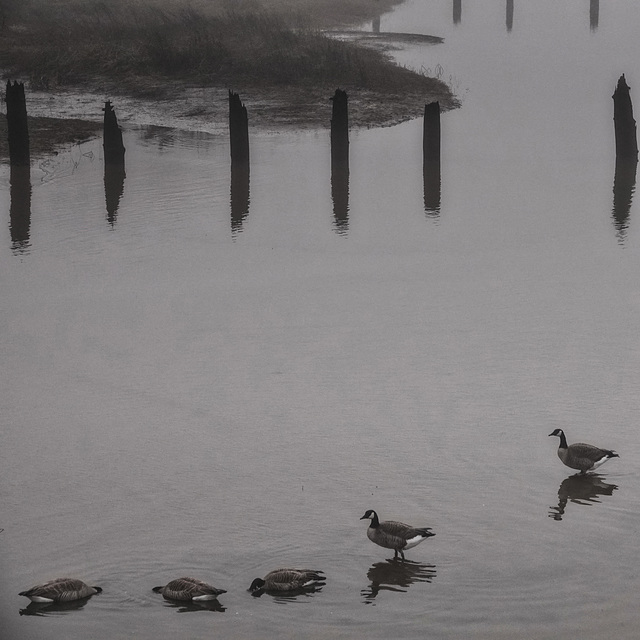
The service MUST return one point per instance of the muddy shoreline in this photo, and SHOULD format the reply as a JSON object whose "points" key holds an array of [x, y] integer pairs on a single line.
{"points": [[70, 115]]}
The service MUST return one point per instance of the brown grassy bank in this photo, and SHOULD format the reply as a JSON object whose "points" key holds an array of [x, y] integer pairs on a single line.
{"points": [[264, 48]]}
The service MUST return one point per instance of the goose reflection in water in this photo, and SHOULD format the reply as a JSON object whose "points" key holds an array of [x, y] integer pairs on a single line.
{"points": [[396, 575], [580, 489], [192, 605], [289, 597], [53, 608]]}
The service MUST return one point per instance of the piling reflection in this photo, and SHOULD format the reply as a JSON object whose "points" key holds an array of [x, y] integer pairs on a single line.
{"points": [[432, 188], [114, 175], [340, 197], [457, 11], [395, 575], [594, 14], [289, 597], [580, 489], [53, 608], [624, 184], [509, 19], [239, 196], [20, 208]]}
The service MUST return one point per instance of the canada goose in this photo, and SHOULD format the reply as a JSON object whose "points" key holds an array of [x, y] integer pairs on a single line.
{"points": [[394, 535], [584, 457], [288, 580], [60, 590], [188, 589]]}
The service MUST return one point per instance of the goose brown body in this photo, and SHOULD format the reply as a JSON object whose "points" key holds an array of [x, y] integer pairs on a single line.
{"points": [[581, 456], [188, 589], [60, 590], [391, 534], [282, 580]]}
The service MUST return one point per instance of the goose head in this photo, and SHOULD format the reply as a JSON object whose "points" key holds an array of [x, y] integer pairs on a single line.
{"points": [[370, 514], [256, 585]]}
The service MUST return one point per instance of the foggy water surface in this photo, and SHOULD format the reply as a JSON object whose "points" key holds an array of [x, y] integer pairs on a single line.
{"points": [[216, 378]]}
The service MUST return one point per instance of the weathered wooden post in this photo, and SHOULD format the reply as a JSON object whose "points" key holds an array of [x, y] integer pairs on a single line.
{"points": [[239, 148], [340, 129], [509, 15], [594, 14], [17, 127], [114, 172], [112, 137], [340, 160], [431, 158], [238, 130], [625, 125], [457, 11]]}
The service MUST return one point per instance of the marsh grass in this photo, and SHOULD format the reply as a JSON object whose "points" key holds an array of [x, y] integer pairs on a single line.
{"points": [[136, 43]]}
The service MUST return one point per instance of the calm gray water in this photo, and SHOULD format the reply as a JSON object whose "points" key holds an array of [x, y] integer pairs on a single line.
{"points": [[187, 393]]}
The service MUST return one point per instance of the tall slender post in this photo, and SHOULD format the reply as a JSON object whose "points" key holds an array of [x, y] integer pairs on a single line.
{"points": [[340, 160], [114, 172], [238, 129], [17, 127], [624, 123], [112, 137]]}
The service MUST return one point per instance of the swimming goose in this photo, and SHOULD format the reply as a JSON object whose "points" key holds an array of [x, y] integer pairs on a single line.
{"points": [[288, 580], [394, 535], [188, 589], [60, 590], [584, 457]]}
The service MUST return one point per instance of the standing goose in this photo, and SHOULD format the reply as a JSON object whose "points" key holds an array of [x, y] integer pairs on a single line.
{"points": [[189, 589], [282, 580], [394, 535], [584, 457], [60, 590]]}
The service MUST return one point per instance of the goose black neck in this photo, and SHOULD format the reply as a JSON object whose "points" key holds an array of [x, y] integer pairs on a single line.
{"points": [[563, 440], [374, 521]]}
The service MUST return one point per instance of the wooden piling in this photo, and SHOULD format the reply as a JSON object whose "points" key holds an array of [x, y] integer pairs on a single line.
{"points": [[340, 160], [238, 130], [112, 137], [625, 125], [17, 127], [431, 132], [340, 129]]}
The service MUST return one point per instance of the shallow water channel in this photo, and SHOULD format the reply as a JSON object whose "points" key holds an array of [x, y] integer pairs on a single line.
{"points": [[207, 385]]}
